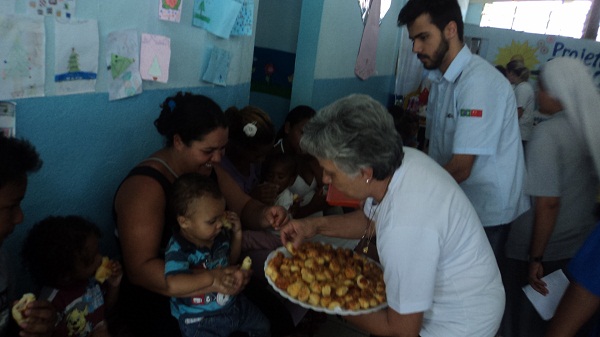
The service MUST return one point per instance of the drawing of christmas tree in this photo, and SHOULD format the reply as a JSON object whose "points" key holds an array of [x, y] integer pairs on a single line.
{"points": [[154, 70], [73, 62], [118, 64]]}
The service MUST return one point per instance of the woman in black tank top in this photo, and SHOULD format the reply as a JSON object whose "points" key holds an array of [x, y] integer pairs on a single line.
{"points": [[196, 134]]}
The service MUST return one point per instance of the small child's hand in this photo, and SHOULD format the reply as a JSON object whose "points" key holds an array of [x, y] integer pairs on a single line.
{"points": [[226, 281], [117, 274], [234, 220]]}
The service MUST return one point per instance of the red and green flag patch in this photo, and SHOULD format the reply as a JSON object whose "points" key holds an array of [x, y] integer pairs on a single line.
{"points": [[471, 113]]}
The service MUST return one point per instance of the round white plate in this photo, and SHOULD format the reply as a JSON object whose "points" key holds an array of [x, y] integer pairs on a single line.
{"points": [[336, 311]]}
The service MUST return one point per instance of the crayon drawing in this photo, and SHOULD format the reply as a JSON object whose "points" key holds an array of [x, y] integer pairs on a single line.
{"points": [[155, 58], [76, 56], [22, 48]]}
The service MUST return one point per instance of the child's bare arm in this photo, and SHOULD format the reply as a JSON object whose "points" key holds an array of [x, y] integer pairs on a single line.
{"points": [[203, 281]]}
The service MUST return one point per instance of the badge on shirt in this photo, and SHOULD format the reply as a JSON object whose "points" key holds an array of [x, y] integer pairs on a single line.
{"points": [[471, 113]]}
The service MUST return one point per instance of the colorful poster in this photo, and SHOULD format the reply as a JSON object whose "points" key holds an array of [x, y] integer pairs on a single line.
{"points": [[169, 10], [76, 56], [244, 20], [216, 16], [499, 46], [22, 48], [123, 63], [218, 67], [61, 9], [155, 58]]}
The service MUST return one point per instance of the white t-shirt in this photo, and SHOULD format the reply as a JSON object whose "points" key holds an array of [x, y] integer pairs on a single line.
{"points": [[526, 101], [434, 252]]}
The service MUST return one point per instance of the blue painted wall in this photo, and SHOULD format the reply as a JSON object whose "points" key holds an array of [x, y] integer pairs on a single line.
{"points": [[88, 143]]}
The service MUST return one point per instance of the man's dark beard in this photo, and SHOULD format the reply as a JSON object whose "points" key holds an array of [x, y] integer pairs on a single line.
{"points": [[438, 55]]}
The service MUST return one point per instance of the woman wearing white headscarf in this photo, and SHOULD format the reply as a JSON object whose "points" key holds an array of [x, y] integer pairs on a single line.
{"points": [[562, 160]]}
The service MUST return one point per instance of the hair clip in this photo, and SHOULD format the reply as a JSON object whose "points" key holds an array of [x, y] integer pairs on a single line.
{"points": [[172, 104], [250, 129]]}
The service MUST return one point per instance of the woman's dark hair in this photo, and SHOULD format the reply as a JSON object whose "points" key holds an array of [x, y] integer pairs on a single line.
{"points": [[53, 245], [190, 116], [240, 119], [191, 186], [295, 116], [442, 12], [17, 158]]}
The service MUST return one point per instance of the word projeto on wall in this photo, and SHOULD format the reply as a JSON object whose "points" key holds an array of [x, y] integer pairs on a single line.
{"points": [[589, 58]]}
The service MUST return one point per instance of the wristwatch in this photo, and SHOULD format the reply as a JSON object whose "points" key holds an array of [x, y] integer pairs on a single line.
{"points": [[535, 259]]}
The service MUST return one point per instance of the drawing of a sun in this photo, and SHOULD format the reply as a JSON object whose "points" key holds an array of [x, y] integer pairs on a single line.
{"points": [[518, 49]]}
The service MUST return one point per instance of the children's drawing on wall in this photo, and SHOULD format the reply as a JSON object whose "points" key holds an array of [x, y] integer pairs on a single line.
{"points": [[76, 56], [521, 51], [61, 9], [122, 60], [216, 16], [155, 58], [22, 47], [244, 20], [169, 10], [218, 67], [273, 72], [8, 118]]}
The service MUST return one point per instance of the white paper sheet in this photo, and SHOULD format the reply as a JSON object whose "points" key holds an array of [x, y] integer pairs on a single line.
{"points": [[556, 283]]}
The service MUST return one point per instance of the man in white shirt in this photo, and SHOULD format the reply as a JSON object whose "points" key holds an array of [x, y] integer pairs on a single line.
{"points": [[472, 123]]}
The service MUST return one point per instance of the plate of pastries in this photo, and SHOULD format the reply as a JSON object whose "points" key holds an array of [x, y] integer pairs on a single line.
{"points": [[328, 279]]}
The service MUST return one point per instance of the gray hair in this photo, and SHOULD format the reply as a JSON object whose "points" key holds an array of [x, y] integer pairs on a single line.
{"points": [[355, 132]]}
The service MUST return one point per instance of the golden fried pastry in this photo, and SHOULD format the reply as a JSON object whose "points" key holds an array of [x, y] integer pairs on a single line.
{"points": [[328, 277], [290, 248], [18, 310], [247, 263], [104, 271], [226, 223]]}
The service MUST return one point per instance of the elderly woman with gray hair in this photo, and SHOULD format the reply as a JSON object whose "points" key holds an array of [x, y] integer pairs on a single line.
{"points": [[439, 269]]}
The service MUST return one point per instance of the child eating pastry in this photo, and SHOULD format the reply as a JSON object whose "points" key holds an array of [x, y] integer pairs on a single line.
{"points": [[62, 255], [198, 264]]}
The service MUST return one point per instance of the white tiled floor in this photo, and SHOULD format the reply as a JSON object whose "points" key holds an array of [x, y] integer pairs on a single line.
{"points": [[336, 327]]}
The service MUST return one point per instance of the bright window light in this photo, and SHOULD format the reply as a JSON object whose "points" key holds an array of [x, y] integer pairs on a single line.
{"points": [[540, 17]]}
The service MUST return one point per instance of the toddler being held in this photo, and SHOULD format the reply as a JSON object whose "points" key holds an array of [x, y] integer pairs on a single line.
{"points": [[199, 264]]}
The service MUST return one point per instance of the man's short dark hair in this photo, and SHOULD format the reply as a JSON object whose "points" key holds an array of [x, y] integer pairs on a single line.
{"points": [[441, 12], [17, 158]]}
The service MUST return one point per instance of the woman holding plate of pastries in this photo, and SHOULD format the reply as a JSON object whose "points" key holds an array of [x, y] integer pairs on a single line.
{"points": [[440, 274]]}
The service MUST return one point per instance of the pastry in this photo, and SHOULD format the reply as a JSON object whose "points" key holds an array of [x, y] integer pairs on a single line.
{"points": [[327, 277], [18, 310], [104, 271], [247, 263]]}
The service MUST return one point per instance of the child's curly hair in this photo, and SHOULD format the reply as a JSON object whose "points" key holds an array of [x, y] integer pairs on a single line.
{"points": [[53, 245]]}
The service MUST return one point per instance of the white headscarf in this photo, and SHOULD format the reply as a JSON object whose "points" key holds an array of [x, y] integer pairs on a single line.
{"points": [[570, 81]]}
